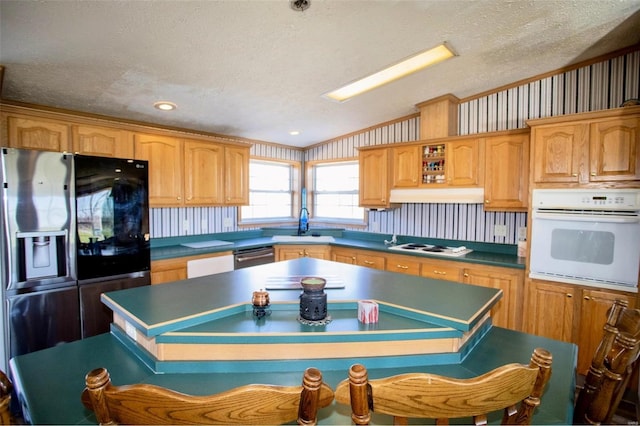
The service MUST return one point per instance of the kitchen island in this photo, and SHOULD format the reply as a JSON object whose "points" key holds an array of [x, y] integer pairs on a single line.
{"points": [[49, 382]]}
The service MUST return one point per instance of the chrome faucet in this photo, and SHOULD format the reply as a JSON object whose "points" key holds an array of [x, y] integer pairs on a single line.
{"points": [[303, 221]]}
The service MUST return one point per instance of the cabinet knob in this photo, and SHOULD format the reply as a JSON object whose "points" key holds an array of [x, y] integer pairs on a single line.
{"points": [[569, 295], [466, 274], [368, 262], [593, 174], [487, 201], [178, 198], [574, 174], [435, 271], [402, 267]]}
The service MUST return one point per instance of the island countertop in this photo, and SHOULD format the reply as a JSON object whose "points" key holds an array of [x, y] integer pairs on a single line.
{"points": [[49, 382]]}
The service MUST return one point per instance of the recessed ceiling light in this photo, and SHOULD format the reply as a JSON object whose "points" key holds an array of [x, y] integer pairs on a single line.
{"points": [[401, 69], [165, 105], [294, 132]]}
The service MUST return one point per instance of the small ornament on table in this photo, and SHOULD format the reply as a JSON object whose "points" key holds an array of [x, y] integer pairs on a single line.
{"points": [[313, 300], [260, 302], [367, 311]]}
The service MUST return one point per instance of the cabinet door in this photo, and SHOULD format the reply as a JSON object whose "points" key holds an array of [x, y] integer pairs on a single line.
{"points": [[550, 310], [102, 142], [374, 178], [593, 315], [166, 173], [506, 312], [614, 148], [38, 134], [236, 175], [463, 162], [203, 182], [506, 182], [406, 166], [288, 252], [559, 152]]}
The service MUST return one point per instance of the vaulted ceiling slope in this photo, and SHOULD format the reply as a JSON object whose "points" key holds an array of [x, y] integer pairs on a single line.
{"points": [[257, 69]]}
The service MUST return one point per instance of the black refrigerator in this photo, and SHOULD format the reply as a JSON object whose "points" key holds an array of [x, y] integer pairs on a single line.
{"points": [[112, 238]]}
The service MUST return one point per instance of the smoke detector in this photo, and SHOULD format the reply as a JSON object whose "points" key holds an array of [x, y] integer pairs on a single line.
{"points": [[300, 5]]}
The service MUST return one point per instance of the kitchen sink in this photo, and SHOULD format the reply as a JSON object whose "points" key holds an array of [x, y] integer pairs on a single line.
{"points": [[303, 238]]}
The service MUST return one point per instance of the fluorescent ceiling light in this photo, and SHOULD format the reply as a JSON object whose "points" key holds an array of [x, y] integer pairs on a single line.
{"points": [[394, 72]]}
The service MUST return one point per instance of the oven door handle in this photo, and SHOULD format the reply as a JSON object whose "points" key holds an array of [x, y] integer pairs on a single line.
{"points": [[586, 218], [241, 258]]}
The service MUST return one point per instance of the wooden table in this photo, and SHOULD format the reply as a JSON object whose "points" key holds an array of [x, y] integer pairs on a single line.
{"points": [[49, 382]]}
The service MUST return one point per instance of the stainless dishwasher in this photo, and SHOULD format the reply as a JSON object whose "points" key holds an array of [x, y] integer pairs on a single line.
{"points": [[244, 258]]}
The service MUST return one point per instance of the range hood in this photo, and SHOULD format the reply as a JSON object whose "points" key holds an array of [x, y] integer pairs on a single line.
{"points": [[437, 195]]}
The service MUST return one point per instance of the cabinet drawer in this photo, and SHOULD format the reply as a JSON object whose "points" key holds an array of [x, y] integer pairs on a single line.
{"points": [[440, 271], [403, 264], [376, 262]]}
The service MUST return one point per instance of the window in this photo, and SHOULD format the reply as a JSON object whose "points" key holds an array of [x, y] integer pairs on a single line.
{"points": [[271, 191], [335, 192]]}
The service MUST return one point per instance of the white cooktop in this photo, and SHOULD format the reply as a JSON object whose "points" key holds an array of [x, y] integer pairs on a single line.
{"points": [[435, 250]]}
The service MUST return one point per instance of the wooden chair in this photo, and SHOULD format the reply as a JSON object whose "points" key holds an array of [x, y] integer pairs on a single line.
{"points": [[6, 387], [250, 404], [611, 367], [423, 395]]}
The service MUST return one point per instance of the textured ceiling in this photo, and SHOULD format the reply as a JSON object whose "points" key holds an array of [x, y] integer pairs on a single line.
{"points": [[257, 69]]}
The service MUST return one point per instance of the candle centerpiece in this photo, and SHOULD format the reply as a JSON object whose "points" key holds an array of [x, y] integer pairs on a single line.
{"points": [[313, 299]]}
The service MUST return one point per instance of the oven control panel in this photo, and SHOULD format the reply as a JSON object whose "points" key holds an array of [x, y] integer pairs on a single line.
{"points": [[606, 199]]}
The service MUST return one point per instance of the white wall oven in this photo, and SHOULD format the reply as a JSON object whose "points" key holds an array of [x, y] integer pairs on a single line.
{"points": [[586, 236]]}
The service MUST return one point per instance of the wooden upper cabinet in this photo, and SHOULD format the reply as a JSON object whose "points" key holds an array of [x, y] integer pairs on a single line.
{"points": [[506, 180], [40, 134], [439, 117], [374, 178], [166, 173], [102, 141], [588, 148], [559, 152], [405, 162], [236, 168], [204, 173], [615, 144], [463, 166]]}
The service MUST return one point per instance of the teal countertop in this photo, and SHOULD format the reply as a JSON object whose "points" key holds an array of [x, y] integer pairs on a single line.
{"points": [[504, 255], [49, 382], [159, 309]]}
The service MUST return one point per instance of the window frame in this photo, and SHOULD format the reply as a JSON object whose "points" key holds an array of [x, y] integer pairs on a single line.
{"points": [[310, 168], [296, 185]]}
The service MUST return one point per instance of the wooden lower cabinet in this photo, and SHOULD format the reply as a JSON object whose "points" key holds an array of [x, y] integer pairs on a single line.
{"points": [[571, 313], [403, 264], [441, 270], [507, 312], [365, 258], [288, 252], [175, 269]]}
